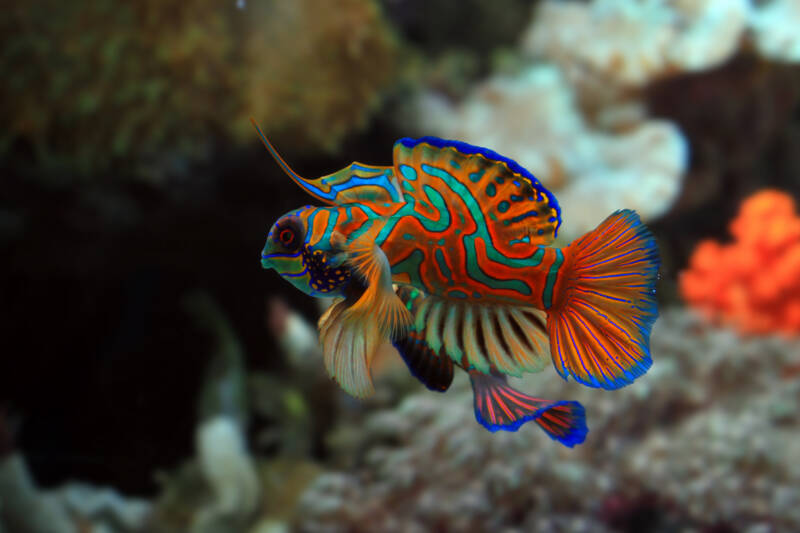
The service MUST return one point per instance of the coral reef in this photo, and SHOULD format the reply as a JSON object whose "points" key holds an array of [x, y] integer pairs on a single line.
{"points": [[24, 508], [149, 87], [165, 93], [319, 88], [775, 27], [230, 472], [714, 411], [72, 508], [753, 283], [608, 47], [533, 118]]}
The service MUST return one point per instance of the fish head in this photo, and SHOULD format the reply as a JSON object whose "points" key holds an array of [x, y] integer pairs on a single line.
{"points": [[315, 270]]}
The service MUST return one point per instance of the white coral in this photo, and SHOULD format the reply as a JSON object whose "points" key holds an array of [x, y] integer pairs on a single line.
{"points": [[628, 43], [776, 28], [229, 470], [533, 118]]}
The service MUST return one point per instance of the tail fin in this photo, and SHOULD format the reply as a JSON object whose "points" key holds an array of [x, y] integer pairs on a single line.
{"points": [[498, 406], [604, 304]]}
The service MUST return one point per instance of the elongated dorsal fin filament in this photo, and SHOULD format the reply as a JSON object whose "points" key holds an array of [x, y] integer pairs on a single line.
{"points": [[271, 149]]}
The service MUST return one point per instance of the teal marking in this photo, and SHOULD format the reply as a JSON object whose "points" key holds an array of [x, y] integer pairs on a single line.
{"points": [[457, 294], [430, 224], [461, 219], [458, 231], [552, 275], [445, 270], [410, 265], [361, 230], [503, 206], [473, 269], [516, 198], [408, 237], [424, 204], [476, 176], [408, 172], [440, 242], [454, 163], [492, 216], [499, 180], [526, 238], [310, 228], [326, 237], [407, 186], [491, 190], [441, 206], [476, 294], [386, 204]]}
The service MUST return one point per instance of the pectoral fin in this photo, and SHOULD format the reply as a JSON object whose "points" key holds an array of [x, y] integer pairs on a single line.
{"points": [[348, 346], [352, 330]]}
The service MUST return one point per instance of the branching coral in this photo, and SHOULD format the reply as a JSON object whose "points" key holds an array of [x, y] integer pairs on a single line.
{"points": [[754, 282]]}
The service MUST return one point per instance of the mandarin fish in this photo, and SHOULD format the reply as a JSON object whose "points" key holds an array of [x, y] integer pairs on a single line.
{"points": [[447, 253]]}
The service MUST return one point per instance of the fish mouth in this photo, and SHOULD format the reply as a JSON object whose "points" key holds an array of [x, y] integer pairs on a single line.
{"points": [[266, 264]]}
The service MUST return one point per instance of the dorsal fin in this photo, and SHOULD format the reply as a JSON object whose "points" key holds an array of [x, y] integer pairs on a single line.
{"points": [[356, 182], [518, 211]]}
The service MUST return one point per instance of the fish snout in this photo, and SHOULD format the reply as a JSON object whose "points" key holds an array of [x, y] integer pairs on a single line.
{"points": [[266, 264]]}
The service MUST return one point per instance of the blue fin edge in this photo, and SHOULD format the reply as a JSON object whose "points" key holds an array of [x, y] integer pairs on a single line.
{"points": [[467, 148], [576, 435]]}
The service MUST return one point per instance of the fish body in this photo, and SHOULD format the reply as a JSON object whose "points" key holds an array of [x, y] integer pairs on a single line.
{"points": [[448, 254], [429, 258]]}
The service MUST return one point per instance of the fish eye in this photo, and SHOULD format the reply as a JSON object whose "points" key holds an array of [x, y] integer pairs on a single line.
{"points": [[288, 234]]}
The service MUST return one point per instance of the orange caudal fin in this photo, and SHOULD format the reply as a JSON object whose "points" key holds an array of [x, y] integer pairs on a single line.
{"points": [[499, 406], [604, 304]]}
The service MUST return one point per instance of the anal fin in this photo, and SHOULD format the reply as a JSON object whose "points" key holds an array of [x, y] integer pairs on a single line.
{"points": [[434, 370], [510, 340], [499, 406]]}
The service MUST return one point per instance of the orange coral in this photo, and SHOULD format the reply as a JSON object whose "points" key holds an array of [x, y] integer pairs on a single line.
{"points": [[754, 282]]}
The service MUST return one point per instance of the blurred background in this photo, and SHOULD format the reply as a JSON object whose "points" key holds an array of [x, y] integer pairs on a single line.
{"points": [[154, 379]]}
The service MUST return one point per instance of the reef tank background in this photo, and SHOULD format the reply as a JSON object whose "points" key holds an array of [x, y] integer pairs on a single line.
{"points": [[154, 379]]}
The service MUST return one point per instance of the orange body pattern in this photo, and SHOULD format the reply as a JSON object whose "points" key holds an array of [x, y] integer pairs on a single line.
{"points": [[752, 283], [448, 253]]}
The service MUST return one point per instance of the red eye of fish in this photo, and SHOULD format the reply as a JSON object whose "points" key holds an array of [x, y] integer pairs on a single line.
{"points": [[289, 234]]}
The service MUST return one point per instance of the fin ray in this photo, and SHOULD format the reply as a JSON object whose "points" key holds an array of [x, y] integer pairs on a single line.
{"points": [[434, 370], [601, 318], [356, 182], [498, 406]]}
